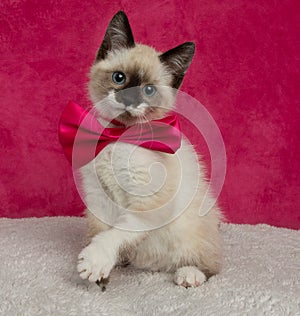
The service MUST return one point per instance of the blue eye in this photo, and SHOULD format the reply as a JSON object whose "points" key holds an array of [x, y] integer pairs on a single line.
{"points": [[149, 91], [118, 77]]}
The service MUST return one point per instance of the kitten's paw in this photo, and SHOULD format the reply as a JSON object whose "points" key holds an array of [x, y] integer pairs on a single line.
{"points": [[94, 263], [189, 277]]}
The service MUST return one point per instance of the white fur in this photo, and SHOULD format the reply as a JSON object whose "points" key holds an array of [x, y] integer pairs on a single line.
{"points": [[137, 111], [189, 276], [99, 257], [190, 239], [109, 108]]}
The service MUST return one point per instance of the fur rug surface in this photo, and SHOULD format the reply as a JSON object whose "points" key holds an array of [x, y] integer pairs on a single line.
{"points": [[261, 275]]}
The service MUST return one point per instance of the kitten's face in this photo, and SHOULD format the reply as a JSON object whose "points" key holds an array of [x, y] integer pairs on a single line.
{"points": [[132, 82]]}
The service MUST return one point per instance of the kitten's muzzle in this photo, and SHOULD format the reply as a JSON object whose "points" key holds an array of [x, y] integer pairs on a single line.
{"points": [[129, 97]]}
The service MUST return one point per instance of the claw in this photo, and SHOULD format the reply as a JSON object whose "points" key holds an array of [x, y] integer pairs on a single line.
{"points": [[102, 283]]}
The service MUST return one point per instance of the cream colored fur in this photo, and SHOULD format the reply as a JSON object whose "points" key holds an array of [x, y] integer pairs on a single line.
{"points": [[140, 180]]}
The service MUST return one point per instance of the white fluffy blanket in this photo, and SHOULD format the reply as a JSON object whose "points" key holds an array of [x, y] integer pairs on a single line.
{"points": [[261, 275]]}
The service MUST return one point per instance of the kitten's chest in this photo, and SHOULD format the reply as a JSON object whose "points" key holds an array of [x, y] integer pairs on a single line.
{"points": [[123, 158], [122, 168]]}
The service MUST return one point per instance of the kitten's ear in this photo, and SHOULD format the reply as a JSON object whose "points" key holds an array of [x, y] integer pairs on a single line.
{"points": [[118, 35], [178, 60]]}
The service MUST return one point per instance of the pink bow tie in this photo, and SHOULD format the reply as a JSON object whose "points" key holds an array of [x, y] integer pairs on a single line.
{"points": [[91, 137]]}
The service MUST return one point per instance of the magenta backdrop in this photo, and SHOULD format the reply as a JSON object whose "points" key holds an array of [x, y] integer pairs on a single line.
{"points": [[245, 71]]}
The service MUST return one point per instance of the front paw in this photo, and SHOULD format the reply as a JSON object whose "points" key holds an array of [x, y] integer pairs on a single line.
{"points": [[189, 276], [95, 262]]}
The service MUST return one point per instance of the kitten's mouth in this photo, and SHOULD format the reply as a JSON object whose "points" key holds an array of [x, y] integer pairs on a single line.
{"points": [[134, 114]]}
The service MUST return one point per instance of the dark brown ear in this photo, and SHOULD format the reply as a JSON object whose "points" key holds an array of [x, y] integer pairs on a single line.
{"points": [[118, 35], [178, 60]]}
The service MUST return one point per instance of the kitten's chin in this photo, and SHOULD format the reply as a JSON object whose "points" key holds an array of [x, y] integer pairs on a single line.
{"points": [[131, 117]]}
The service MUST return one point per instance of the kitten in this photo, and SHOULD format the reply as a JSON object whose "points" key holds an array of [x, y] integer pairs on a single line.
{"points": [[189, 245]]}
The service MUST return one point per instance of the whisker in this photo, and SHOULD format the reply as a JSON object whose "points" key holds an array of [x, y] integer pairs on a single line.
{"points": [[99, 84]]}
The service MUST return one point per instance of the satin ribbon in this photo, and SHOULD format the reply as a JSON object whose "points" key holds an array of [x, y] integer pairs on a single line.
{"points": [[83, 137]]}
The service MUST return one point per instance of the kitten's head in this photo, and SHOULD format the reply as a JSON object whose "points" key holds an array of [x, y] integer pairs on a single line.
{"points": [[133, 82]]}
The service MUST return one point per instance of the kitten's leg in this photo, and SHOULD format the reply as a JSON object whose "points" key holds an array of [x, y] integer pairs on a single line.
{"points": [[189, 276], [97, 259]]}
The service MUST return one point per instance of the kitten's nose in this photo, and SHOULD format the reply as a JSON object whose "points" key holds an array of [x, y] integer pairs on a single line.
{"points": [[128, 98]]}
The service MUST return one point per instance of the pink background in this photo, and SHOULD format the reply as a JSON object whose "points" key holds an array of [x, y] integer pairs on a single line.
{"points": [[245, 71]]}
